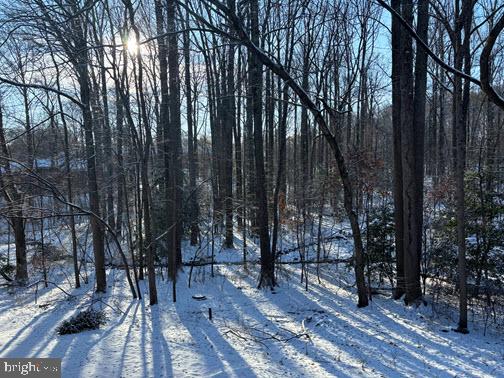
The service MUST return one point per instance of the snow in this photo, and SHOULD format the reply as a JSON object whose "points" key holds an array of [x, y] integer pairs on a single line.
{"points": [[253, 332]]}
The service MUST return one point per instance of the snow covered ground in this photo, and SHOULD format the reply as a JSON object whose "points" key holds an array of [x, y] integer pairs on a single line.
{"points": [[288, 332]]}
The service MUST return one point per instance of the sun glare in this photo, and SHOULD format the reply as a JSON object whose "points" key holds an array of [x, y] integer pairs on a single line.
{"points": [[132, 45]]}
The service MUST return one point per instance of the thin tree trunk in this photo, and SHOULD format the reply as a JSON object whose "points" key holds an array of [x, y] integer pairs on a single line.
{"points": [[94, 199], [174, 135], [267, 277], [461, 109], [68, 172], [191, 137], [398, 180]]}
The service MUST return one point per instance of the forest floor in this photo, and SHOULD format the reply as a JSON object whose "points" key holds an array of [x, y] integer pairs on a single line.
{"points": [[285, 332]]}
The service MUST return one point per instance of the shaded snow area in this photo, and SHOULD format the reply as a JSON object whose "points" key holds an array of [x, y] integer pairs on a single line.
{"points": [[288, 332]]}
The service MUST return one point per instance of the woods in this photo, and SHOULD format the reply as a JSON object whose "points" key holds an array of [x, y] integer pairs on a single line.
{"points": [[170, 138]]}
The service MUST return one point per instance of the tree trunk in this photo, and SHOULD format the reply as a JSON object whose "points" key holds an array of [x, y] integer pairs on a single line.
{"points": [[94, 199], [191, 143], [175, 146], [267, 278], [460, 114], [68, 172], [227, 137], [412, 238], [237, 133], [18, 226], [398, 180], [418, 146]]}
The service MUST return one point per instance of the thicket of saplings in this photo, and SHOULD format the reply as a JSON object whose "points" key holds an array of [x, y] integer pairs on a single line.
{"points": [[485, 258]]}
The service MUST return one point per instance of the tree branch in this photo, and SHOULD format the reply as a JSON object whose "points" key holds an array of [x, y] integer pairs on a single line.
{"points": [[424, 45], [485, 63], [44, 87]]}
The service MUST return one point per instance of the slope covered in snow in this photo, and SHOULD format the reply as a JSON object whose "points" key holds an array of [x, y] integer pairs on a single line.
{"points": [[288, 332]]}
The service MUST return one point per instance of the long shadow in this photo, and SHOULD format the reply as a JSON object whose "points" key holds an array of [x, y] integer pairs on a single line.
{"points": [[109, 333], [59, 351], [28, 328], [373, 335], [143, 346], [85, 342], [33, 339], [355, 329], [5, 306], [75, 349], [162, 367], [40, 327], [215, 350], [324, 294], [438, 350], [127, 338], [351, 337], [406, 339], [245, 306]]}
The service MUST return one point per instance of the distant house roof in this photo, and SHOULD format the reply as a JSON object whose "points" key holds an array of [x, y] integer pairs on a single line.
{"points": [[76, 165]]}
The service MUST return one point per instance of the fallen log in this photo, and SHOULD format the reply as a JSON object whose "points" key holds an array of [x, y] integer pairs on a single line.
{"points": [[258, 262]]}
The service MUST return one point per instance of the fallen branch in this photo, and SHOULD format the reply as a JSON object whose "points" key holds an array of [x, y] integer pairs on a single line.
{"points": [[258, 262], [5, 276], [52, 283], [250, 336], [312, 244]]}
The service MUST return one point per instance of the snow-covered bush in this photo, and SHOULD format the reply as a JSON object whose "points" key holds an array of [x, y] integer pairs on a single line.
{"points": [[83, 321]]}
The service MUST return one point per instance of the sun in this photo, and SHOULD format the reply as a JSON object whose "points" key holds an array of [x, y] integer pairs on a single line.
{"points": [[132, 45]]}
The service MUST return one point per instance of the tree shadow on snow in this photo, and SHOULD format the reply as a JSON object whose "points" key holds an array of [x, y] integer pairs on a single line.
{"points": [[377, 335]]}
